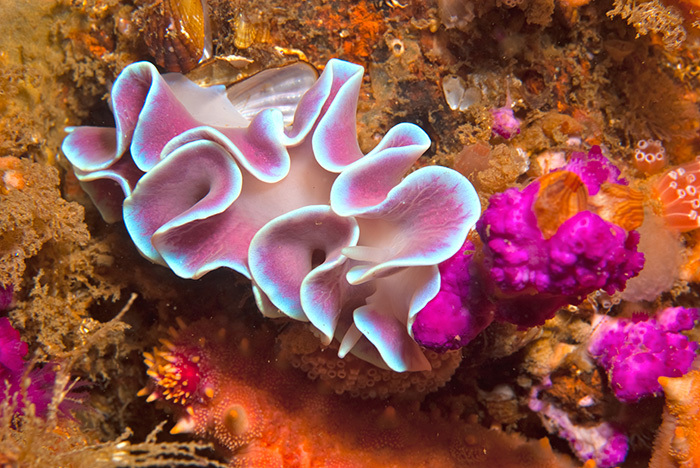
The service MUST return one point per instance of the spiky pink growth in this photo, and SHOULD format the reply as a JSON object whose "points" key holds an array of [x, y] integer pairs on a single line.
{"points": [[179, 374]]}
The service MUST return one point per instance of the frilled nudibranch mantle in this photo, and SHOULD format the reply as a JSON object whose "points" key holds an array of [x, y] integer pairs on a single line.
{"points": [[267, 178]]}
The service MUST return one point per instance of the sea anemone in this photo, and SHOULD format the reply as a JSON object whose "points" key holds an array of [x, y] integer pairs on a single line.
{"points": [[678, 190]]}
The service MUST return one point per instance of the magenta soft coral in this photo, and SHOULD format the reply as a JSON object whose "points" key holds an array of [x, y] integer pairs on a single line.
{"points": [[635, 352], [594, 169], [533, 275], [524, 272], [586, 253], [13, 368], [460, 311], [12, 352]]}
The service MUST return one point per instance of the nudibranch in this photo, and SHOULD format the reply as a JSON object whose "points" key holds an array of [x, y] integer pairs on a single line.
{"points": [[327, 234]]}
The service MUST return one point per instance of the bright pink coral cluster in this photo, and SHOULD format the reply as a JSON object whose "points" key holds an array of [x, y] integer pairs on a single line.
{"points": [[526, 273], [604, 443], [586, 252], [594, 169], [327, 234], [13, 369], [534, 274], [461, 310], [12, 352], [636, 352]]}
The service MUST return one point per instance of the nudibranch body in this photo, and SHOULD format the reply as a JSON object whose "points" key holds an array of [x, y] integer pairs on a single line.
{"points": [[327, 234]]}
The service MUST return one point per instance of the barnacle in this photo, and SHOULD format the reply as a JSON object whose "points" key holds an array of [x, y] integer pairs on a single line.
{"points": [[250, 28], [177, 33], [620, 204]]}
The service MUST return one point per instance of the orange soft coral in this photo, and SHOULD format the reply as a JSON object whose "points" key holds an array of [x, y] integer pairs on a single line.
{"points": [[226, 384], [678, 441]]}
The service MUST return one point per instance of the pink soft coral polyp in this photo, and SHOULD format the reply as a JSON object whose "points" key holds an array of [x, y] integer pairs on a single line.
{"points": [[327, 234]]}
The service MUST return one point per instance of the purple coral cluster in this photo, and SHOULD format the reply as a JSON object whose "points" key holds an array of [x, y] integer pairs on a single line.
{"points": [[12, 352], [636, 352], [13, 368], [533, 275], [523, 276], [604, 443], [586, 253], [460, 310], [594, 169]]}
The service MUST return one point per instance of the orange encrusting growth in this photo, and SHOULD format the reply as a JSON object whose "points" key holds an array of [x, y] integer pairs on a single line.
{"points": [[678, 441], [266, 414]]}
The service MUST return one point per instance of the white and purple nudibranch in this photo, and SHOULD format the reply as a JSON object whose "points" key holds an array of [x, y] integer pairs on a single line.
{"points": [[267, 178]]}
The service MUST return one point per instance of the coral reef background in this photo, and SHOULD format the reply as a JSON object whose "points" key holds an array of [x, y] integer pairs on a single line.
{"points": [[559, 76]]}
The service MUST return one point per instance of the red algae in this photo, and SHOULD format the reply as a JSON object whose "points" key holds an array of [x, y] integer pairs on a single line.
{"points": [[227, 385]]}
